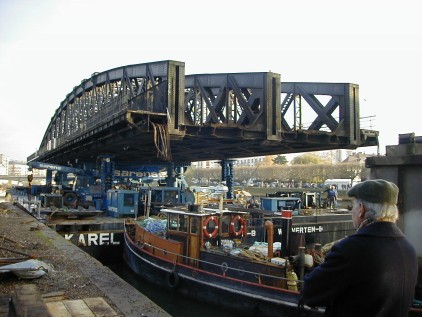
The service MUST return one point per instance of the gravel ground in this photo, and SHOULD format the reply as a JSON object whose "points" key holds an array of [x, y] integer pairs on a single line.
{"points": [[24, 235]]}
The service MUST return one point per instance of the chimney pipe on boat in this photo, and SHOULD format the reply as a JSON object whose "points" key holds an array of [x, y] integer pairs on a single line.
{"points": [[286, 222], [245, 228], [270, 237], [148, 204], [301, 262]]}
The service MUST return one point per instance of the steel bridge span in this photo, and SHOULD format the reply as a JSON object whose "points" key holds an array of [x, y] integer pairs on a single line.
{"points": [[153, 113]]}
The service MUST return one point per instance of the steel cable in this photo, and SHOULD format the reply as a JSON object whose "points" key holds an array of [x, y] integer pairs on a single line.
{"points": [[162, 141]]}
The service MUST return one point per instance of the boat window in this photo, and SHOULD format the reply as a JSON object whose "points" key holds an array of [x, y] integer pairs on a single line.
{"points": [[194, 225], [178, 222], [183, 223], [225, 224], [173, 223]]}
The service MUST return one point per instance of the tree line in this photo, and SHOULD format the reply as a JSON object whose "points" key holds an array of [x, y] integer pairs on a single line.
{"points": [[310, 173]]}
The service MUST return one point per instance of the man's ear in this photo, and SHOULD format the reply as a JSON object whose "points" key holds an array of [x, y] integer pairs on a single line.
{"points": [[362, 211]]}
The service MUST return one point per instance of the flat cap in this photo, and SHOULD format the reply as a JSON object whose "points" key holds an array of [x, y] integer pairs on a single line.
{"points": [[376, 191]]}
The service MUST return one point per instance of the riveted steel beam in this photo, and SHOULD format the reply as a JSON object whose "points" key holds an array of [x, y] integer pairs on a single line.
{"points": [[151, 113]]}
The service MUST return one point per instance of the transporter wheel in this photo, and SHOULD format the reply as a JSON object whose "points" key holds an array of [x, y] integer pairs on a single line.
{"points": [[70, 199]]}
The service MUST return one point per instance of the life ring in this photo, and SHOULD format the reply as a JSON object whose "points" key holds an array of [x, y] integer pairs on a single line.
{"points": [[205, 227], [240, 224], [172, 279]]}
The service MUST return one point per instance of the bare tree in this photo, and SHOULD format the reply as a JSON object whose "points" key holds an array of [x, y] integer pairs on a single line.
{"points": [[299, 173]]}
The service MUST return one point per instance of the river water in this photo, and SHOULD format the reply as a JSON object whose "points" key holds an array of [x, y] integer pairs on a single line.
{"points": [[174, 304]]}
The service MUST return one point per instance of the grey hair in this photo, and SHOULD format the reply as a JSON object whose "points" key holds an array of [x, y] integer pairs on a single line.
{"points": [[376, 211]]}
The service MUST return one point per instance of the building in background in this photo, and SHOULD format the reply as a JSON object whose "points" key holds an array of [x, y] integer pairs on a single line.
{"points": [[206, 164], [17, 168], [4, 164], [357, 158], [250, 161], [247, 161]]}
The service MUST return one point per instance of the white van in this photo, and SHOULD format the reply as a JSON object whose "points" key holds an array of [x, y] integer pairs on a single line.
{"points": [[340, 183]]}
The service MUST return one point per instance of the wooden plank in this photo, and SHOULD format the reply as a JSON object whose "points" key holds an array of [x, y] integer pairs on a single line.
{"points": [[28, 302], [78, 308], [55, 299], [4, 305], [54, 296], [100, 307], [26, 289], [57, 309]]}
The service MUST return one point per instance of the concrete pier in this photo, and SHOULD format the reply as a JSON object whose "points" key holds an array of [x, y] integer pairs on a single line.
{"points": [[115, 291]]}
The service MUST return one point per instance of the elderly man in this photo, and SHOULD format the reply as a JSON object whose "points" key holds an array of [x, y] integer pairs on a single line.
{"points": [[372, 272]]}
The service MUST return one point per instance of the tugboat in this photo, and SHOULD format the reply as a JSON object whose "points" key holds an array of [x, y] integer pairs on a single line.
{"points": [[215, 256]]}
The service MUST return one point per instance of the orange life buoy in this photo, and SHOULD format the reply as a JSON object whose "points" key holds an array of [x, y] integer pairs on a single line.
{"points": [[240, 225], [205, 227]]}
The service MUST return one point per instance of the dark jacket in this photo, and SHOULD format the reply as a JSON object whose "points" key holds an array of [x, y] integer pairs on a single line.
{"points": [[371, 273]]}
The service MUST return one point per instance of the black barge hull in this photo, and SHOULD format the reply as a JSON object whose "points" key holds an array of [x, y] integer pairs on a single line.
{"points": [[237, 295]]}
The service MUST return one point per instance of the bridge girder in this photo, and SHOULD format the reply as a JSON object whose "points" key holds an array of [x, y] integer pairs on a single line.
{"points": [[154, 113]]}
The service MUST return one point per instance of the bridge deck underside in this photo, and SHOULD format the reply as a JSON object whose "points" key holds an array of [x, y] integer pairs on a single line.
{"points": [[132, 138]]}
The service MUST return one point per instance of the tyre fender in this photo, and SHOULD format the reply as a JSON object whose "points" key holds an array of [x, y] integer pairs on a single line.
{"points": [[172, 279]]}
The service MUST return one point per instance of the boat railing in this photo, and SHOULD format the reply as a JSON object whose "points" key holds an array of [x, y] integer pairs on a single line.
{"points": [[224, 267]]}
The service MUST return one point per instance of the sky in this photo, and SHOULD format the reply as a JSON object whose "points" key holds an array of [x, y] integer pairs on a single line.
{"points": [[49, 46]]}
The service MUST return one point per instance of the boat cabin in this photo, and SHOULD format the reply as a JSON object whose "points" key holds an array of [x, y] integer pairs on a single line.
{"points": [[213, 241], [189, 232]]}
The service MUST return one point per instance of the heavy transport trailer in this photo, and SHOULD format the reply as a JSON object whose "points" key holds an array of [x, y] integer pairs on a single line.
{"points": [[87, 186], [76, 186]]}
